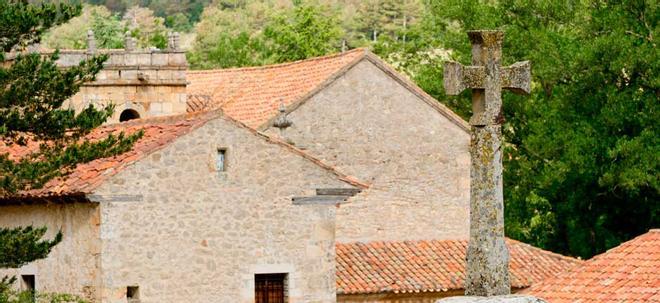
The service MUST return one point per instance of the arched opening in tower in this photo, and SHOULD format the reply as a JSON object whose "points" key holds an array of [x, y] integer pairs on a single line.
{"points": [[129, 114]]}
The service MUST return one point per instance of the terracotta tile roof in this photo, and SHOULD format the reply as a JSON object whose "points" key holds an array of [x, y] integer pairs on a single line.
{"points": [[253, 95], [158, 132], [627, 273], [431, 266]]}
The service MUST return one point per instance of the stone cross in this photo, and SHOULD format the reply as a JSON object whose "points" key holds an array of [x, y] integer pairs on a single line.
{"points": [[487, 255]]}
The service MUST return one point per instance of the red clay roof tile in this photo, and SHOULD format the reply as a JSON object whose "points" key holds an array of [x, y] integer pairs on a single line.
{"points": [[431, 266], [158, 132], [627, 273], [253, 95]]}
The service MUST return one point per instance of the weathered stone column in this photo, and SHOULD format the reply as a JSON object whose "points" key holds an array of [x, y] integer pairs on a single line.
{"points": [[487, 254]]}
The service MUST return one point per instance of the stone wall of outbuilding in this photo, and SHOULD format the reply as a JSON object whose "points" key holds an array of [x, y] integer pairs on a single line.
{"points": [[73, 266], [370, 126], [185, 232]]}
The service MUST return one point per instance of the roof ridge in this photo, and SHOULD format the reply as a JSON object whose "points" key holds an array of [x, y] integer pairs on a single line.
{"points": [[547, 252], [270, 66]]}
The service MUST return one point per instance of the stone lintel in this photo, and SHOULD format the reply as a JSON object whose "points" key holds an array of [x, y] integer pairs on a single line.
{"points": [[337, 191], [494, 299], [319, 200]]}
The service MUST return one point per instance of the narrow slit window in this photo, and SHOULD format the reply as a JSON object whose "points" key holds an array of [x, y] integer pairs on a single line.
{"points": [[221, 160], [133, 294], [270, 288]]}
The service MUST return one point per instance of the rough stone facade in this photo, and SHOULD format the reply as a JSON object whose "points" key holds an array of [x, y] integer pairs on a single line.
{"points": [[194, 234], [370, 126], [73, 265]]}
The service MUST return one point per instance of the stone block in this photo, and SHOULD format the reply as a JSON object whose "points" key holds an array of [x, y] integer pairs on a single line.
{"points": [[128, 74], [164, 74], [166, 107], [179, 75], [111, 74], [130, 59], [177, 59], [116, 60], [159, 59], [156, 107], [494, 299], [144, 59]]}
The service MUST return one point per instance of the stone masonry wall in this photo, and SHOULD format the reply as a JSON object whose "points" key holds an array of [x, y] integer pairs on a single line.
{"points": [[193, 234], [151, 82], [73, 265], [371, 127]]}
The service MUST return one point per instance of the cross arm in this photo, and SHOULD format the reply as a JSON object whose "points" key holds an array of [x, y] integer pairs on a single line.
{"points": [[458, 77], [517, 77]]}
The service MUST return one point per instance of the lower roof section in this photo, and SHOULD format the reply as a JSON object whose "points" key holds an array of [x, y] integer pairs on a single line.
{"points": [[432, 266]]}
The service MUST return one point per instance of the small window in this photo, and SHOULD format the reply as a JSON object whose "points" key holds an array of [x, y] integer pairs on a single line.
{"points": [[129, 114], [221, 160], [270, 288], [133, 294]]}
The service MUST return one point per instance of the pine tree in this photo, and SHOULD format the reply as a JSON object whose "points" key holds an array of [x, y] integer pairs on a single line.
{"points": [[32, 91]]}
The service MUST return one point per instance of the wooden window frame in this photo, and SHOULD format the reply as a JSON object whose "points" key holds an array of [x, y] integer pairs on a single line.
{"points": [[271, 288]]}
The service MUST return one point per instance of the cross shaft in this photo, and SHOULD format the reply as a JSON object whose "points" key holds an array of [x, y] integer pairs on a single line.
{"points": [[487, 255]]}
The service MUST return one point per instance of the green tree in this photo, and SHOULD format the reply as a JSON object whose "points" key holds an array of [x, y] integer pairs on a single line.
{"points": [[391, 18], [305, 32], [230, 50], [581, 171], [32, 92], [108, 30]]}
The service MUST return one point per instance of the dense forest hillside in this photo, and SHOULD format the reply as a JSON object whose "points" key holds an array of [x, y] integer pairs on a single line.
{"points": [[583, 152]]}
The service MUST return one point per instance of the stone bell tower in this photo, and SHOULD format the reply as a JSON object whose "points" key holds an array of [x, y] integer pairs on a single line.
{"points": [[140, 82]]}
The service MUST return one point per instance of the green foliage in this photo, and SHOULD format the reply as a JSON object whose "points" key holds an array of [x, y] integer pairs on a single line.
{"points": [[22, 24], [230, 51], [581, 173], [179, 22], [266, 33], [33, 90], [305, 32], [11, 296], [108, 31], [22, 245]]}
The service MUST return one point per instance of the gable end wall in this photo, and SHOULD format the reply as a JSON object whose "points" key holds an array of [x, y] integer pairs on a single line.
{"points": [[370, 126], [194, 234]]}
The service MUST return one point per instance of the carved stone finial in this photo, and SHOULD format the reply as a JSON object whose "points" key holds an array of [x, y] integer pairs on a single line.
{"points": [[175, 41], [129, 42], [282, 121], [91, 42], [170, 41]]}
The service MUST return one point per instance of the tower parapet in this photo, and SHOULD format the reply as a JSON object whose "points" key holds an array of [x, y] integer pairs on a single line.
{"points": [[140, 82]]}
